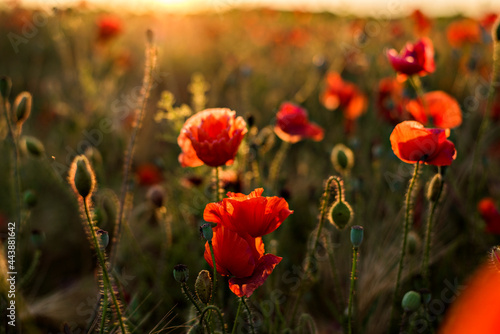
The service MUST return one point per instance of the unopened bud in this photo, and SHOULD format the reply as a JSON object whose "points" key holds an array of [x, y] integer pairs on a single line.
{"points": [[181, 273], [203, 286], [435, 187], [81, 176], [342, 158], [5, 87], [33, 146], [357, 235], [340, 214], [411, 301], [22, 107]]}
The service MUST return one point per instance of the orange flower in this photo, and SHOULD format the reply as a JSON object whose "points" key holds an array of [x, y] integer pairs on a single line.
{"points": [[390, 100], [422, 23], [411, 143], [343, 94], [414, 59], [462, 32], [242, 220], [477, 309], [108, 27], [439, 108], [211, 137], [292, 124], [489, 212]]}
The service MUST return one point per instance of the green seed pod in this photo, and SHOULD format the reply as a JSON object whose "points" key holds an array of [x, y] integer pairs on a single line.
{"points": [[37, 238], [33, 146], [434, 189], [495, 256], [5, 87], [342, 158], [22, 107], [411, 301], [81, 176], [357, 235], [181, 273], [203, 286], [104, 238], [29, 198], [340, 214], [206, 231]]}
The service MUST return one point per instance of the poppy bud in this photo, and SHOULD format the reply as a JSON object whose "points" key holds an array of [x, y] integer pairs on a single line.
{"points": [[81, 176], [434, 189], [342, 158], [33, 146], [203, 286], [37, 238], [340, 214], [5, 87], [181, 273], [29, 198], [411, 301], [356, 235], [206, 231], [155, 195], [22, 107], [495, 256], [104, 238]]}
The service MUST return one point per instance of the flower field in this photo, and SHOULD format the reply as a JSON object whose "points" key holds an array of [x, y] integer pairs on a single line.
{"points": [[248, 171]]}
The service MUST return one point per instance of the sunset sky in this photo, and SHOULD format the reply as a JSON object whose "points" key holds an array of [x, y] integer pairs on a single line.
{"points": [[383, 8]]}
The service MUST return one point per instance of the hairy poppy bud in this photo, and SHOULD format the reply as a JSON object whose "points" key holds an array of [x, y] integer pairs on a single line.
{"points": [[22, 107], [357, 235], [434, 189], [411, 301], [495, 256], [340, 214], [181, 273], [33, 146], [81, 176], [5, 87], [29, 198], [203, 286], [342, 158]]}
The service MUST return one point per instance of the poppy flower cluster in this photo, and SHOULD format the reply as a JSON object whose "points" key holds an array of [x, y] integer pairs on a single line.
{"points": [[238, 248], [292, 124], [463, 32], [343, 94], [414, 59], [211, 137], [439, 109], [489, 212], [411, 143]]}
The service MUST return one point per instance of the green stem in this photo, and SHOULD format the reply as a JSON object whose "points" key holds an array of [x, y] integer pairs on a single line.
{"points": [[351, 290], [250, 320], [428, 237], [417, 86], [104, 309], [337, 289], [237, 316], [275, 167], [406, 229], [219, 314], [218, 190], [105, 274], [214, 279]]}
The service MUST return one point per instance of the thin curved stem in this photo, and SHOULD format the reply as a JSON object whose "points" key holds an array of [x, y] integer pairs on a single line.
{"points": [[237, 316], [250, 321], [351, 290], [219, 314]]}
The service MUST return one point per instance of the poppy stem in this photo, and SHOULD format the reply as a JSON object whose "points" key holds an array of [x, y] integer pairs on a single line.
{"points": [[218, 189], [237, 316], [351, 291], [417, 86], [214, 279], [275, 167], [219, 314], [406, 229], [428, 237], [250, 320]]}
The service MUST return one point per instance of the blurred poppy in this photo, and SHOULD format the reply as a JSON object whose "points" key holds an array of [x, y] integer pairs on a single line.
{"points": [[477, 309], [148, 174], [411, 143], [292, 124], [463, 32], [390, 103], [108, 26], [439, 109], [423, 24], [343, 94], [489, 212], [413, 59], [211, 137], [488, 20], [239, 251]]}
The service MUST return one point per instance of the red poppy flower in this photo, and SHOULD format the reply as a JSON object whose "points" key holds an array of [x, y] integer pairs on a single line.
{"points": [[211, 137], [489, 212], [148, 174], [463, 32], [439, 108], [242, 220], [343, 94], [390, 102], [292, 124], [411, 142], [488, 20], [477, 309], [414, 59], [108, 27], [422, 23]]}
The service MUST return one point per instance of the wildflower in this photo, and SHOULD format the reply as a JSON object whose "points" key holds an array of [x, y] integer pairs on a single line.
{"points": [[390, 101], [489, 212], [411, 143], [439, 109], [343, 94], [148, 174], [422, 23], [211, 137], [292, 124], [462, 32], [108, 27], [414, 59]]}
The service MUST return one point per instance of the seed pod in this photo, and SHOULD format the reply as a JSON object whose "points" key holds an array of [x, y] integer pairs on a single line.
{"points": [[411, 301], [181, 273], [81, 176], [104, 238], [207, 232], [357, 235], [203, 286], [340, 214]]}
